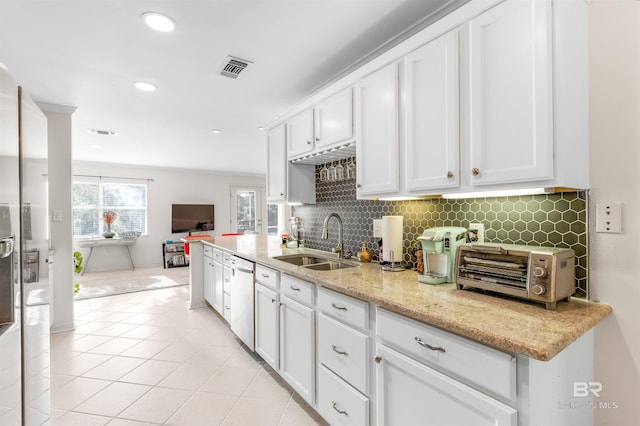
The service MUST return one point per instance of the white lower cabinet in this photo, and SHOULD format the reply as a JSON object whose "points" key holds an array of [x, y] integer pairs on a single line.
{"points": [[267, 324], [411, 393], [208, 278], [217, 282], [339, 403], [297, 347]]}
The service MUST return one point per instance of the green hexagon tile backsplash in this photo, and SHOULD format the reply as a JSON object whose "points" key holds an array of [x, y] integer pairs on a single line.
{"points": [[557, 220]]}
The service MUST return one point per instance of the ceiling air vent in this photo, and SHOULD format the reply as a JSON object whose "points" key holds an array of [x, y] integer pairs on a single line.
{"points": [[234, 67]]}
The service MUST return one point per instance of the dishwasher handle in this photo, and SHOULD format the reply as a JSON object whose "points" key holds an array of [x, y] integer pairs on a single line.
{"points": [[241, 269]]}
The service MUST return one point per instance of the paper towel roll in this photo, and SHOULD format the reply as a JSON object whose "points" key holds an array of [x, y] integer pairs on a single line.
{"points": [[392, 238]]}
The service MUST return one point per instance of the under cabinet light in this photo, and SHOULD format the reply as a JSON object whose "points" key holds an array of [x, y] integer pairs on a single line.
{"points": [[500, 193]]}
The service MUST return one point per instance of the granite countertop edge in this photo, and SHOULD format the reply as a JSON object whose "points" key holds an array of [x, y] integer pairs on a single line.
{"points": [[507, 324]]}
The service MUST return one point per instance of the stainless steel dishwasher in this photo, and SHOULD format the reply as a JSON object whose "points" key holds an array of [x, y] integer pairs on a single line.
{"points": [[242, 311]]}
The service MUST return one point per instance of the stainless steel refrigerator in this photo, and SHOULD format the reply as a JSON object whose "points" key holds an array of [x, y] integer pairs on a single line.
{"points": [[24, 290]]}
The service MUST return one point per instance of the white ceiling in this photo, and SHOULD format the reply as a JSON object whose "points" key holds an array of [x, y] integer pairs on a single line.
{"points": [[88, 53]]}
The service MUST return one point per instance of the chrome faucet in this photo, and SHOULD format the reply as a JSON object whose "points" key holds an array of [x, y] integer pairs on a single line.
{"points": [[325, 233]]}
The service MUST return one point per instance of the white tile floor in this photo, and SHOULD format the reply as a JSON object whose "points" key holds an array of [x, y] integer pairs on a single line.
{"points": [[146, 359]]}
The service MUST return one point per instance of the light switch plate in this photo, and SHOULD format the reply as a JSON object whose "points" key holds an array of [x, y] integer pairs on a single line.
{"points": [[609, 218], [56, 216], [377, 228]]}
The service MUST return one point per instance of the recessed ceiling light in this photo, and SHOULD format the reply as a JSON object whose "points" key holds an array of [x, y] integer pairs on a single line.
{"points": [[217, 131], [96, 146], [261, 128], [144, 86], [159, 22], [102, 132]]}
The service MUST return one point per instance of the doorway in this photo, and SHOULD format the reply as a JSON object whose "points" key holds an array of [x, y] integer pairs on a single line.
{"points": [[246, 209]]}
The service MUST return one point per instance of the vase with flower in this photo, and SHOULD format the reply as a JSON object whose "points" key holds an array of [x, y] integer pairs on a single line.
{"points": [[108, 217]]}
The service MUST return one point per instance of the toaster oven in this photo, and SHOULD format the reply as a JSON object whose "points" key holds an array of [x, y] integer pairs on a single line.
{"points": [[539, 274]]}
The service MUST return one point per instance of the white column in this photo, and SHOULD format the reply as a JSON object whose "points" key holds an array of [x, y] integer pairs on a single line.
{"points": [[59, 134]]}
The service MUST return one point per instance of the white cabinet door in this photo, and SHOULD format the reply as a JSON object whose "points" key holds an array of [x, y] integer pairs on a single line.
{"points": [[277, 164], [334, 119], [297, 347], [208, 280], [510, 90], [300, 134], [410, 393], [377, 133], [267, 326], [217, 288], [432, 115]]}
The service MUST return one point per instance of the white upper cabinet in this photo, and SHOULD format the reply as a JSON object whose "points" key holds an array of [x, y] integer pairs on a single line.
{"points": [[377, 139], [287, 182], [276, 165], [510, 94], [334, 119], [300, 139], [431, 155]]}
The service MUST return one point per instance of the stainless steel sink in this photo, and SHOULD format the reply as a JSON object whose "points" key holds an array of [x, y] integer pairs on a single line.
{"points": [[301, 259], [313, 262], [329, 266]]}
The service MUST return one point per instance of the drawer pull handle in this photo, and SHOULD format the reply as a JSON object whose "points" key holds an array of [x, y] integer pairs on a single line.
{"points": [[294, 288], [265, 275], [334, 405], [227, 280], [273, 300], [428, 346], [338, 351], [340, 308]]}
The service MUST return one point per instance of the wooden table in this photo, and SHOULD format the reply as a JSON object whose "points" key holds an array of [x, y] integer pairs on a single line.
{"points": [[106, 242]]}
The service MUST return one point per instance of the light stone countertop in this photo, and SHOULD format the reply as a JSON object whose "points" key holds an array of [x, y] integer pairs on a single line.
{"points": [[507, 324]]}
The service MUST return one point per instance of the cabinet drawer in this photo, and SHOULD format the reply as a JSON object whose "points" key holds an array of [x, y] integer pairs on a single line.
{"points": [[217, 255], [347, 309], [267, 276], [226, 258], [301, 291], [345, 351], [472, 362], [208, 250], [339, 403]]}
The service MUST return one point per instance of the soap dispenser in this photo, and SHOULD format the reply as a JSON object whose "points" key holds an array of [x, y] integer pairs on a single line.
{"points": [[364, 255]]}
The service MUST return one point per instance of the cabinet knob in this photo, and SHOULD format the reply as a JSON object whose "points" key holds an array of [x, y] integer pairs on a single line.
{"points": [[358, 185], [273, 300], [450, 174], [475, 171], [282, 194], [317, 139], [309, 142], [377, 359]]}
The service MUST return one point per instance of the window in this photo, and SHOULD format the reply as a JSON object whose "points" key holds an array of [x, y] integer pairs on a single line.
{"points": [[91, 199]]}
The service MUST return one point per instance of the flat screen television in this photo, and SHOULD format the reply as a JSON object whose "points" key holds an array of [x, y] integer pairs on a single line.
{"points": [[191, 217]]}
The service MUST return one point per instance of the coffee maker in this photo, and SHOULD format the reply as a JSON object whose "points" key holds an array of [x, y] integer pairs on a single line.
{"points": [[439, 247]]}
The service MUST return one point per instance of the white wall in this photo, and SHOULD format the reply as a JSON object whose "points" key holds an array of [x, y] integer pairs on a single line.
{"points": [[615, 177], [168, 186]]}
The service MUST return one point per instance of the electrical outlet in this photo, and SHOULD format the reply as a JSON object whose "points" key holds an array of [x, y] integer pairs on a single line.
{"points": [[476, 233], [609, 218], [377, 228]]}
